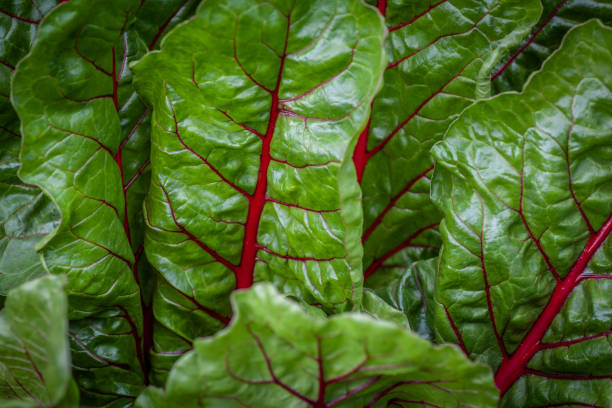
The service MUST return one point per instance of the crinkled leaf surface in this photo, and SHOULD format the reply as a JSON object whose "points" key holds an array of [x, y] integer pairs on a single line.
{"points": [[257, 107], [19, 21], [408, 290], [379, 308], [86, 144], [524, 183], [558, 16], [439, 55], [275, 354], [26, 215], [34, 352]]}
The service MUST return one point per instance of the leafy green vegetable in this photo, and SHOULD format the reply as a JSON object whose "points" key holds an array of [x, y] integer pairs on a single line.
{"points": [[558, 16], [251, 155], [276, 354], [34, 352], [253, 147], [439, 55], [26, 215], [409, 290], [524, 183], [87, 147]]}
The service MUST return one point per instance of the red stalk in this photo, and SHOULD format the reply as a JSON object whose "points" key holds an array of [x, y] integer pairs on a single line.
{"points": [[514, 366]]}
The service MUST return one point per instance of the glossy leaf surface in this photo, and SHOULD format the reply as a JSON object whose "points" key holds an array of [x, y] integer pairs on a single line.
{"points": [[251, 154], [379, 308], [86, 144], [439, 55], [558, 16], [409, 290], [275, 354], [34, 352], [524, 183], [26, 215]]}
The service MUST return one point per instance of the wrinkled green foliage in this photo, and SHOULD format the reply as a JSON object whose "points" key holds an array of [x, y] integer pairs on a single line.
{"points": [[288, 141], [251, 153], [558, 16], [524, 183], [26, 215], [87, 147], [409, 290], [439, 55], [275, 354], [34, 353]]}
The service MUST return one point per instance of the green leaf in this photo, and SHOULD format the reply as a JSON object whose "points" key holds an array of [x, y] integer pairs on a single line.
{"points": [[439, 54], [558, 16], [34, 352], [276, 354], [26, 215], [86, 143], [409, 290], [524, 183], [19, 21], [251, 154], [379, 308]]}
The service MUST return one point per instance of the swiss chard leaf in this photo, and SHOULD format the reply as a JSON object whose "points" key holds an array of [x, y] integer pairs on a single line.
{"points": [[558, 16], [524, 183], [87, 147], [409, 290], [19, 21], [275, 354], [379, 308], [439, 55], [26, 215], [257, 106], [34, 352]]}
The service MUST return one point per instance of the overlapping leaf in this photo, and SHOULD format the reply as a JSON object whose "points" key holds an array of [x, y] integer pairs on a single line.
{"points": [[524, 183], [34, 352], [558, 16], [26, 215], [257, 107], [409, 290], [275, 354], [439, 56], [86, 144]]}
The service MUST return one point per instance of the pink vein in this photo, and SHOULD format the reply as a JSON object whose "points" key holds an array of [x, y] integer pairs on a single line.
{"points": [[567, 343], [404, 58], [392, 203], [248, 75], [273, 375], [210, 312], [164, 26], [193, 238], [242, 125], [529, 41], [415, 112], [569, 171], [521, 213], [406, 244], [418, 16], [483, 266], [382, 7], [210, 166], [296, 258], [25, 20], [138, 174], [514, 366], [456, 330]]}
